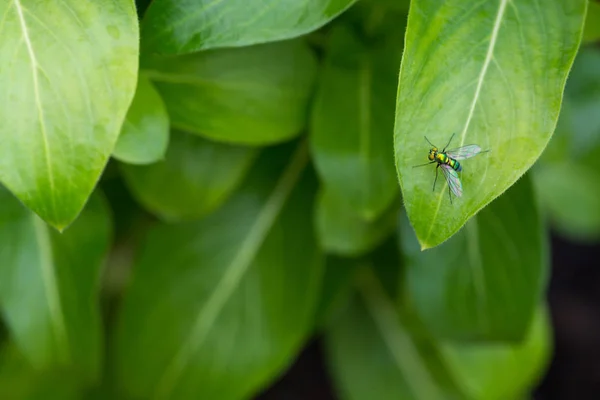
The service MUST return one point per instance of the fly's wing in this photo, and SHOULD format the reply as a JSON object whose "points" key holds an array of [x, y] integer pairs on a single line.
{"points": [[464, 152], [453, 180]]}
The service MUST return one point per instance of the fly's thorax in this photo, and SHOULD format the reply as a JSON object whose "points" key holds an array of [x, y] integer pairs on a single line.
{"points": [[441, 158]]}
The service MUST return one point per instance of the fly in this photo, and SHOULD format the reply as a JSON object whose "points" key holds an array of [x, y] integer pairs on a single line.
{"points": [[448, 161]]}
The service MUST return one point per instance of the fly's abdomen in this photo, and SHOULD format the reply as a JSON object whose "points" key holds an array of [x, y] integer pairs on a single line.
{"points": [[454, 164]]}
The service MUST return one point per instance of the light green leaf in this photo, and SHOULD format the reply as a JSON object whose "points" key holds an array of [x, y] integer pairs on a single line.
{"points": [[185, 26], [253, 95], [351, 123], [344, 233], [373, 355], [486, 282], [496, 80], [591, 32], [68, 75], [229, 298], [502, 371], [49, 285], [194, 179], [145, 133]]}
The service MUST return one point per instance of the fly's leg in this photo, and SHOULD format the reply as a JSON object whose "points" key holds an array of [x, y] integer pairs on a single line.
{"points": [[449, 141], [436, 175]]}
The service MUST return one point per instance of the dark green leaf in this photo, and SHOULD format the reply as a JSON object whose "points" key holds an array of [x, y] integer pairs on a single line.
{"points": [[351, 124], [344, 233], [486, 282], [185, 26], [49, 285], [502, 371], [225, 303], [195, 177], [252, 95], [591, 32], [68, 75], [145, 133], [496, 80]]}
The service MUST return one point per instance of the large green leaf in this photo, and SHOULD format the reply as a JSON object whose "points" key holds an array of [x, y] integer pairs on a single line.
{"points": [[251, 95], [352, 119], [49, 285], [145, 133], [501, 371], [228, 299], [374, 355], [341, 231], [195, 177], [185, 26], [486, 282], [492, 72], [68, 75]]}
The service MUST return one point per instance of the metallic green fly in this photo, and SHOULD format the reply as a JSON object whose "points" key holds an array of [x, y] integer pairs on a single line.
{"points": [[448, 161]]}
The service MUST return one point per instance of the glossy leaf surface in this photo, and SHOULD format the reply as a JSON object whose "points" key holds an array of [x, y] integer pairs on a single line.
{"points": [[229, 298], [145, 133], [67, 78], [496, 80], [352, 119], [195, 177], [486, 282], [252, 95], [185, 26], [49, 285], [341, 231]]}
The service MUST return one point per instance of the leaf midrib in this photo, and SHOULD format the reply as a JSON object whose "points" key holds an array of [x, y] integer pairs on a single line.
{"points": [[234, 272], [488, 59]]}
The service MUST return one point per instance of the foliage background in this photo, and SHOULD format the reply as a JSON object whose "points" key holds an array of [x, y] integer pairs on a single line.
{"points": [[195, 189]]}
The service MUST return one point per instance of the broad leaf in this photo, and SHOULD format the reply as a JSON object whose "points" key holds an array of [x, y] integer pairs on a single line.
{"points": [[373, 355], [501, 371], [341, 231], [486, 282], [229, 298], [49, 285], [495, 80], [352, 119], [252, 95], [68, 75], [185, 26], [145, 133], [195, 177]]}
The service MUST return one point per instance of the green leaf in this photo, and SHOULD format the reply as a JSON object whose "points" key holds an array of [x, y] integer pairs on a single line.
{"points": [[486, 282], [344, 233], [194, 179], [145, 133], [185, 26], [502, 371], [591, 31], [253, 95], [373, 355], [229, 298], [49, 285], [351, 123], [496, 80], [68, 75]]}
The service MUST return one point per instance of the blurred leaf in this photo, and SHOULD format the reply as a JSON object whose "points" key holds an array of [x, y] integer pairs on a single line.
{"points": [[19, 381], [229, 298], [252, 95], [49, 285], [486, 282], [344, 233], [496, 80], [591, 31], [502, 371], [145, 133], [185, 26], [194, 179], [351, 124], [68, 75], [373, 356]]}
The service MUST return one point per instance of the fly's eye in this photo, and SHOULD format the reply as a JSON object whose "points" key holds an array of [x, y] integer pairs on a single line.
{"points": [[430, 156]]}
